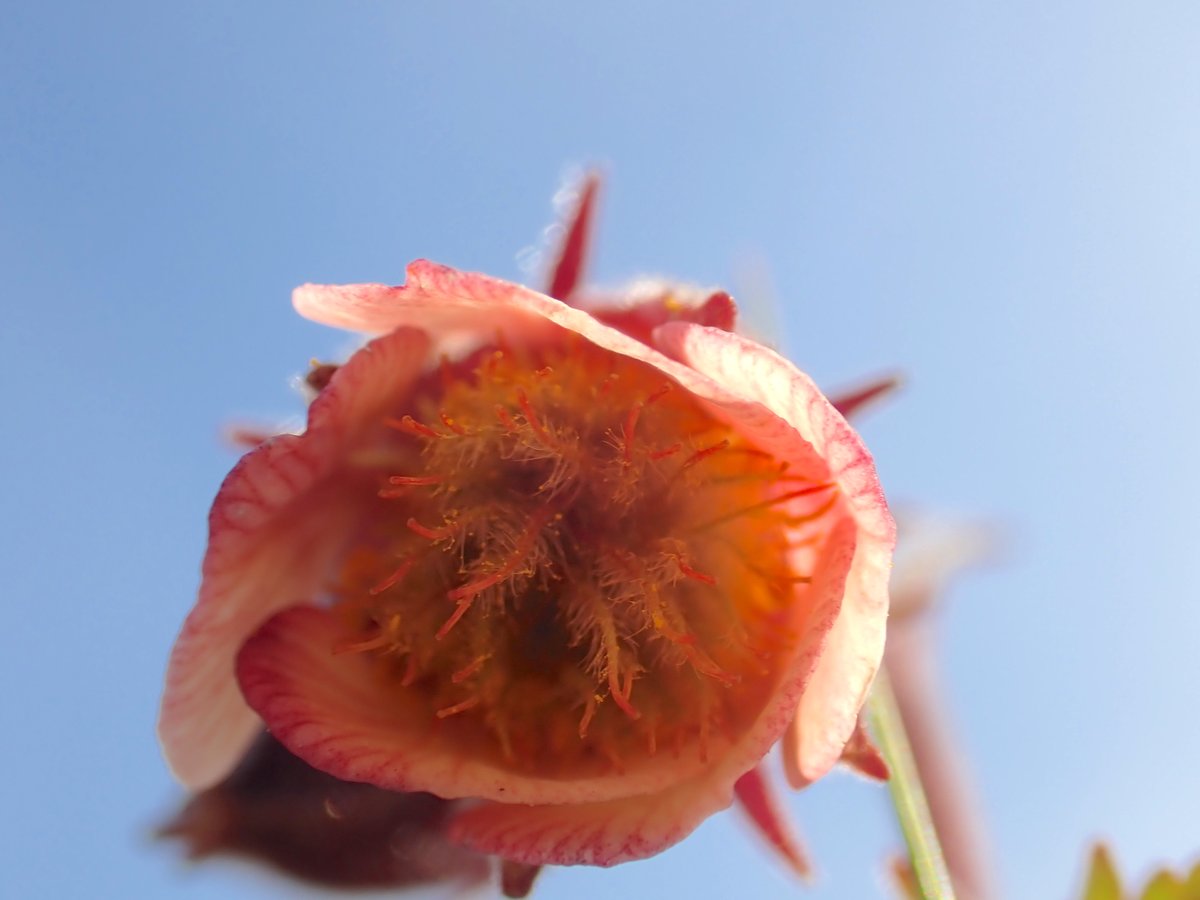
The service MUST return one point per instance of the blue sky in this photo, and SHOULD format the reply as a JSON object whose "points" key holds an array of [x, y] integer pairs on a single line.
{"points": [[1000, 199]]}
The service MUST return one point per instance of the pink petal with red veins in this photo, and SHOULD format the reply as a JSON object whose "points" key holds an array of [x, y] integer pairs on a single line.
{"points": [[852, 649], [567, 270], [454, 305], [757, 798], [275, 527], [332, 711], [596, 834], [444, 302]]}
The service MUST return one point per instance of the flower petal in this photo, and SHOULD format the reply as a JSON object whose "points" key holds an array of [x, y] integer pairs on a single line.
{"points": [[334, 713], [596, 834], [451, 304], [757, 798], [444, 302], [853, 647], [274, 528]]}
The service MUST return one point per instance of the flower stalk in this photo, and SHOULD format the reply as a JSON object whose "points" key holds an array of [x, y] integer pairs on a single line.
{"points": [[908, 795]]}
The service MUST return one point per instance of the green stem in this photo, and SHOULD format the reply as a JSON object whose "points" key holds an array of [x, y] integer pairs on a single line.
{"points": [[908, 797]]}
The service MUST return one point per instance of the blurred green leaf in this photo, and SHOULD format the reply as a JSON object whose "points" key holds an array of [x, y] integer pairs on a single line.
{"points": [[1164, 886], [1103, 883], [1102, 880], [1191, 887]]}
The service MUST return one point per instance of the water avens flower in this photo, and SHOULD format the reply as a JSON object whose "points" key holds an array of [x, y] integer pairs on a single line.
{"points": [[275, 809], [581, 567]]}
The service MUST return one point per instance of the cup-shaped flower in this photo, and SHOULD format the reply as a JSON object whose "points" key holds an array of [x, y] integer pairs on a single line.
{"points": [[583, 568]]}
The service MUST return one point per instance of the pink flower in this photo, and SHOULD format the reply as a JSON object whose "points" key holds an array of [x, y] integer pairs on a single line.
{"points": [[580, 567]]}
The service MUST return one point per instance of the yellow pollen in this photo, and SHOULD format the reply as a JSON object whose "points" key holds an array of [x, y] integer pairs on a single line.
{"points": [[575, 563]]}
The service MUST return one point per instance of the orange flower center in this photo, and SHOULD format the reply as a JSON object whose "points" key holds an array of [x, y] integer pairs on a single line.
{"points": [[573, 560]]}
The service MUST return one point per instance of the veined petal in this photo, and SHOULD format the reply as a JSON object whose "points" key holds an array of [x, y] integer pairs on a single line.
{"points": [[851, 650], [274, 529], [442, 301], [453, 304], [596, 834], [332, 711]]}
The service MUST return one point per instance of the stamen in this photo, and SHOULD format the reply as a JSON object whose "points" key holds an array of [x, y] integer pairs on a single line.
{"points": [[692, 573], [447, 711], [612, 660], [415, 479], [451, 424], [700, 455], [705, 665], [775, 501], [409, 425], [470, 669], [621, 694], [627, 433], [589, 712], [814, 515], [410, 672], [521, 551], [666, 451], [393, 579], [458, 613], [532, 417], [378, 642], [506, 419], [657, 395], [632, 418], [433, 534], [779, 577]]}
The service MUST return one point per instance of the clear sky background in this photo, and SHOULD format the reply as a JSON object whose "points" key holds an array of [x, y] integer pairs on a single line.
{"points": [[1002, 199]]}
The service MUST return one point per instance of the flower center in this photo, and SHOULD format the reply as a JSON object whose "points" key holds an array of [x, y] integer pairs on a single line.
{"points": [[573, 561]]}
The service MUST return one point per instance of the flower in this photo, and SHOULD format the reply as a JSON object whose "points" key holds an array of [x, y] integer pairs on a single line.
{"points": [[581, 567], [276, 809]]}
